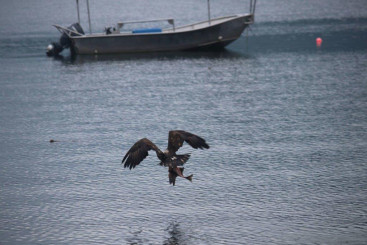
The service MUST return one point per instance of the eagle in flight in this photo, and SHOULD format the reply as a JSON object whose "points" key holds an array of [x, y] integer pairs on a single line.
{"points": [[139, 151]]}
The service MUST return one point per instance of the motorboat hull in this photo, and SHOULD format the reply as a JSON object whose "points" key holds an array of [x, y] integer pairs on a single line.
{"points": [[208, 35]]}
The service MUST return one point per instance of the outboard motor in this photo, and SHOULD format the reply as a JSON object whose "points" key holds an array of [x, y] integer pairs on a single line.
{"points": [[54, 48]]}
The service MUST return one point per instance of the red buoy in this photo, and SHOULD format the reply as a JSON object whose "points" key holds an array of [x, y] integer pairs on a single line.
{"points": [[318, 42]]}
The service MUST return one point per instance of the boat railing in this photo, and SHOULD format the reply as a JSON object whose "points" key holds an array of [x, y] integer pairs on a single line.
{"points": [[67, 31], [121, 24], [249, 20]]}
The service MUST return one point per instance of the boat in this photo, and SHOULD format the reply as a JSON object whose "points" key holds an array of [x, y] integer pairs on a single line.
{"points": [[211, 34]]}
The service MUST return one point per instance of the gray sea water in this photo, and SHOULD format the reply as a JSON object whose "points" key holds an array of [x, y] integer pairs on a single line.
{"points": [[286, 122]]}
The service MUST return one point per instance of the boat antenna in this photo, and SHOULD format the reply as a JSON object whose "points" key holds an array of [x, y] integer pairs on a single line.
{"points": [[90, 26], [77, 7], [209, 12], [253, 9], [252, 6]]}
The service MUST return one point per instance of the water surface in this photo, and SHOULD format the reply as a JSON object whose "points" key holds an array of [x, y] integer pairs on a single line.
{"points": [[286, 123]]}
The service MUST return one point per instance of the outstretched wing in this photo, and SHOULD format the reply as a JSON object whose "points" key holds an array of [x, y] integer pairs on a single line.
{"points": [[177, 137], [138, 152]]}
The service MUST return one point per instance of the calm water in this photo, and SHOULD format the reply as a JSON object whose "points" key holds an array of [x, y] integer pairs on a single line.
{"points": [[286, 122]]}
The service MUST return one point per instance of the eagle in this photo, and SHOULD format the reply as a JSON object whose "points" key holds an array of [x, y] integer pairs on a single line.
{"points": [[139, 151]]}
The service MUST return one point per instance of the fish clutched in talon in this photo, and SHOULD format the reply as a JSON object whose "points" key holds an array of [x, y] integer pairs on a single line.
{"points": [[139, 151]]}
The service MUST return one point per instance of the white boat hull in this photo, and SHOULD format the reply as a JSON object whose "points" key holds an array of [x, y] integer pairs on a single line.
{"points": [[216, 34]]}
